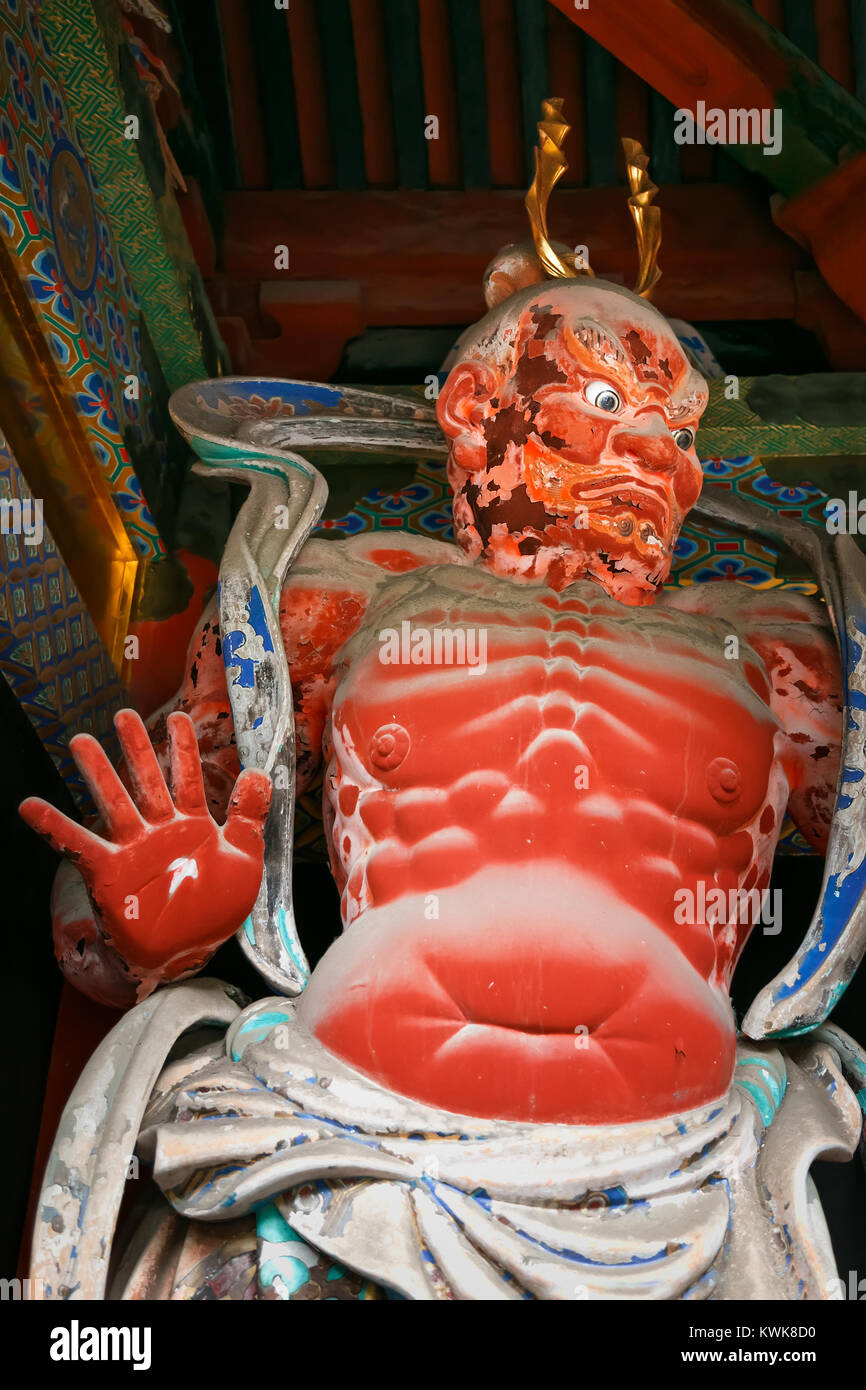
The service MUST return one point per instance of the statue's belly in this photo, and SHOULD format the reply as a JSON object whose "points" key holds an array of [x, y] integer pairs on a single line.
{"points": [[527, 992], [510, 842]]}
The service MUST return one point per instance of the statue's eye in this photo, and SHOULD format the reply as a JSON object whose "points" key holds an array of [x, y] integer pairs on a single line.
{"points": [[684, 439], [599, 394]]}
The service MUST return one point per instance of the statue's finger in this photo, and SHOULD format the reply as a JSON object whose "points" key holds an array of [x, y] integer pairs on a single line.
{"points": [[64, 834], [186, 777], [115, 805], [151, 793]]}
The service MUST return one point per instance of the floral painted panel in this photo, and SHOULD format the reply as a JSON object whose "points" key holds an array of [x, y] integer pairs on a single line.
{"points": [[53, 223]]}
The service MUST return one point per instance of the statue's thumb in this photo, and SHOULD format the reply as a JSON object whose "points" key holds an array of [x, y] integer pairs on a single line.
{"points": [[248, 810]]}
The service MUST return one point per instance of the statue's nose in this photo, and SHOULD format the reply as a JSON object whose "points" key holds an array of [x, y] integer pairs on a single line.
{"points": [[651, 446]]}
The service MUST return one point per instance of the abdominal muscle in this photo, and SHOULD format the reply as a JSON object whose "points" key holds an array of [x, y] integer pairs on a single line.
{"points": [[529, 992]]}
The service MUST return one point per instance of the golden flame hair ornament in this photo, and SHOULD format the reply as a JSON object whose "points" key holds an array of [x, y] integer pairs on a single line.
{"points": [[551, 164], [646, 216]]}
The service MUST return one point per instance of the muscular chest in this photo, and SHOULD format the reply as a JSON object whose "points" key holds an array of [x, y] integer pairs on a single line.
{"points": [[463, 684]]}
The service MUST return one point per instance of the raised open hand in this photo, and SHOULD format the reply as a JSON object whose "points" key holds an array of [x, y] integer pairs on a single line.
{"points": [[169, 884]]}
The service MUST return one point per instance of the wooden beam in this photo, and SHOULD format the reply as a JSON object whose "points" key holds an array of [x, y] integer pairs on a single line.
{"points": [[275, 90], [310, 99], [828, 219], [406, 75], [374, 95], [834, 42], [419, 256], [532, 50], [339, 66], [467, 44], [726, 55], [440, 92], [243, 96], [501, 82], [565, 66]]}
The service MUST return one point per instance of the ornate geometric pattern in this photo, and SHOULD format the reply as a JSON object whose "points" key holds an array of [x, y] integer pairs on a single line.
{"points": [[50, 653], [703, 553], [53, 223], [151, 231], [729, 425]]}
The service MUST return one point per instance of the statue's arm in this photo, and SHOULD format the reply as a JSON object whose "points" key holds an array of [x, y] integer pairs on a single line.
{"points": [[324, 599], [799, 660], [793, 635], [135, 905]]}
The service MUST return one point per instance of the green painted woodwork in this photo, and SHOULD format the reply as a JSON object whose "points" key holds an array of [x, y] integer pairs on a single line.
{"points": [[88, 41]]}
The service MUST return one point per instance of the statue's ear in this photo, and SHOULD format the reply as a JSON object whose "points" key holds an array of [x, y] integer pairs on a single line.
{"points": [[463, 407], [513, 268]]}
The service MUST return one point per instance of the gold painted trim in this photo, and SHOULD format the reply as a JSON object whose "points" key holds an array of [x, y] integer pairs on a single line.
{"points": [[52, 449]]}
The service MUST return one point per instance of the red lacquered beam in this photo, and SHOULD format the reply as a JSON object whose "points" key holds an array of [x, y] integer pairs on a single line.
{"points": [[565, 66], [632, 114], [773, 11], [722, 55], [374, 92], [833, 23], [243, 95], [443, 155], [419, 257], [502, 72], [310, 99]]}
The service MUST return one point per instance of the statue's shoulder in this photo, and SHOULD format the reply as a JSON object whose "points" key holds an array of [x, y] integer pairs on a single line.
{"points": [[745, 607], [363, 561]]}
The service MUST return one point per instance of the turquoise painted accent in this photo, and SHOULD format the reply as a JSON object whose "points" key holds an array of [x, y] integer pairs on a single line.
{"points": [[835, 995], [266, 1020], [286, 935], [235, 456], [861, 1096], [774, 1085], [259, 1023], [336, 1272], [292, 1272], [273, 1227], [794, 1032], [765, 1108]]}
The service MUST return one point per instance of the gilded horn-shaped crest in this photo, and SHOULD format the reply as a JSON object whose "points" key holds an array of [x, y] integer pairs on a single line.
{"points": [[646, 216], [551, 164]]}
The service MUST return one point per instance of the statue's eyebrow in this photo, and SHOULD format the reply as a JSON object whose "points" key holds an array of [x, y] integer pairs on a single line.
{"points": [[688, 406], [591, 338], [599, 342]]}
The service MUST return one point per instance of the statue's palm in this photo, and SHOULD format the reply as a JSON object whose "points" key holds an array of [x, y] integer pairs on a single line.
{"points": [[168, 883]]}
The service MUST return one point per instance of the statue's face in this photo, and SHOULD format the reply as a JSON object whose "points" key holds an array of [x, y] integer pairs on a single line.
{"points": [[572, 421]]}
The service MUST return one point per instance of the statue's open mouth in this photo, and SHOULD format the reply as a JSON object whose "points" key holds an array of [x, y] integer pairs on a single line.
{"points": [[650, 508]]}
